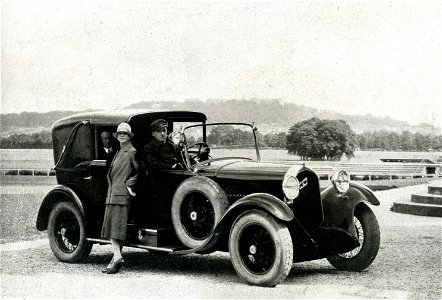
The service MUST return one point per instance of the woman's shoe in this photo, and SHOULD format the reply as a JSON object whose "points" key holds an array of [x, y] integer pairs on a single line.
{"points": [[116, 266], [108, 267]]}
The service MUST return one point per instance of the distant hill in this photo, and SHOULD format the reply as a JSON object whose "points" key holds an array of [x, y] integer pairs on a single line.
{"points": [[274, 115], [268, 114]]}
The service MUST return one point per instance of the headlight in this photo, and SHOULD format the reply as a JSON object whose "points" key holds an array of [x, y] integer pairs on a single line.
{"points": [[341, 181], [290, 184]]}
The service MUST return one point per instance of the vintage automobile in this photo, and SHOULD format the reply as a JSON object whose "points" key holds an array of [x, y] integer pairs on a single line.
{"points": [[267, 215]]}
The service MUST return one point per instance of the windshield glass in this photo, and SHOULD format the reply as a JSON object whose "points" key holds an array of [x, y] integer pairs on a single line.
{"points": [[223, 140]]}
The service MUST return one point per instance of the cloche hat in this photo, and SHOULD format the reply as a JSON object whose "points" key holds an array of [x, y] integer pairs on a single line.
{"points": [[123, 127]]}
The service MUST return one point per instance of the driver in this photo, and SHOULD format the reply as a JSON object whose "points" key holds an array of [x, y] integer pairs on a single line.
{"points": [[161, 152]]}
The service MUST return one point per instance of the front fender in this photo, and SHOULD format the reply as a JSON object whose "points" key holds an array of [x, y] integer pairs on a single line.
{"points": [[268, 202], [57, 194], [360, 192], [339, 208], [263, 201]]}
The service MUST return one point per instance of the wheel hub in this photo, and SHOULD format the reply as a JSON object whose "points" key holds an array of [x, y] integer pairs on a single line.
{"points": [[193, 215]]}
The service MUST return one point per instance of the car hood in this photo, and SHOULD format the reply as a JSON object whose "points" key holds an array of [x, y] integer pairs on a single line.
{"points": [[245, 169]]}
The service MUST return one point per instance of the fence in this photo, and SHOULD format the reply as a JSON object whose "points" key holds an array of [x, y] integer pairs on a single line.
{"points": [[28, 172], [363, 171], [372, 171]]}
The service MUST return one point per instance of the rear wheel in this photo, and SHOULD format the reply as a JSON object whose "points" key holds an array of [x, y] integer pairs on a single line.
{"points": [[260, 248], [367, 229], [67, 233]]}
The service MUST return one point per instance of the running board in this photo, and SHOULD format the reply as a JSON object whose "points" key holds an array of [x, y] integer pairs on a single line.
{"points": [[149, 248]]}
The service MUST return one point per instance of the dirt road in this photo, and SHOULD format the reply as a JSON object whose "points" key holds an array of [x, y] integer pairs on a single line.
{"points": [[408, 266]]}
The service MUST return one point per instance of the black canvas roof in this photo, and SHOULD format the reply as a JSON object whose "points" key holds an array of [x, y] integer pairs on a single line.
{"points": [[118, 116]]}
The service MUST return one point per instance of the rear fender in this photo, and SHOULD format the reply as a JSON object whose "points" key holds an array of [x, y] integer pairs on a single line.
{"points": [[57, 194]]}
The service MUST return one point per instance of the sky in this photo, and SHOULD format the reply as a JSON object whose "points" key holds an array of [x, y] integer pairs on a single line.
{"points": [[352, 57]]}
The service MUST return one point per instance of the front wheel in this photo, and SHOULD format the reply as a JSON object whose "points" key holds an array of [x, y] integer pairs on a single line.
{"points": [[260, 248], [67, 233], [367, 229]]}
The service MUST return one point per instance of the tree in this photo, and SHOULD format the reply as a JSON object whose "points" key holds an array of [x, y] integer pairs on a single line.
{"points": [[282, 137], [393, 141], [42, 140], [407, 141], [321, 139], [227, 135]]}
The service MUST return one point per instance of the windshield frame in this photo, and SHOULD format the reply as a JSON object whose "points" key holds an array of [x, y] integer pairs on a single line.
{"points": [[204, 128]]}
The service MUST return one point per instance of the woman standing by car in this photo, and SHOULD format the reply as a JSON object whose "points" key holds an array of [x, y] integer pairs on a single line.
{"points": [[122, 177]]}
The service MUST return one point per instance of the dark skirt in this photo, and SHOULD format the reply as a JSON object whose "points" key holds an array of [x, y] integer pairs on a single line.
{"points": [[115, 221]]}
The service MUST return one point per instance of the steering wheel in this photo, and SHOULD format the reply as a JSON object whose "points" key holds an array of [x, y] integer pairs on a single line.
{"points": [[203, 151]]}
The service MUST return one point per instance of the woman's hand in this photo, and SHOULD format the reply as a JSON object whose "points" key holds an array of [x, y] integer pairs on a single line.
{"points": [[131, 192]]}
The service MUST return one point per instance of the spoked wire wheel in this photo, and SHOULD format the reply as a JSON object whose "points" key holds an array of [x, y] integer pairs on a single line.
{"points": [[368, 234], [360, 233]]}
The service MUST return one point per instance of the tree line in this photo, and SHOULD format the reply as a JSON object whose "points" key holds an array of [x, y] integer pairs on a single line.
{"points": [[405, 141], [310, 139], [41, 140]]}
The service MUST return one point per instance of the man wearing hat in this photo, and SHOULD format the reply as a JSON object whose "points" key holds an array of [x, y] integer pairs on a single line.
{"points": [[161, 152]]}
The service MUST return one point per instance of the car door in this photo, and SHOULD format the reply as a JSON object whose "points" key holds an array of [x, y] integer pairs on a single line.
{"points": [[79, 169]]}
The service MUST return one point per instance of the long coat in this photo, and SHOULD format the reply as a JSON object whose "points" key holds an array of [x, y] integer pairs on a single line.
{"points": [[123, 173]]}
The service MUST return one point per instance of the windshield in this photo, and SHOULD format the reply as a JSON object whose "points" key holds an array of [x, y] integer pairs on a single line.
{"points": [[224, 140]]}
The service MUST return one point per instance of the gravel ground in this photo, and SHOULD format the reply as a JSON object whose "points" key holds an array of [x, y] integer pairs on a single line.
{"points": [[408, 266]]}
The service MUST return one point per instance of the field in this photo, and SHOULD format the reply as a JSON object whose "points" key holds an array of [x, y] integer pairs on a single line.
{"points": [[42, 158]]}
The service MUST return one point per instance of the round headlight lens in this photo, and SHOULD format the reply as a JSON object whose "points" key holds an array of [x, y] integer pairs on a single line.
{"points": [[290, 187], [341, 181]]}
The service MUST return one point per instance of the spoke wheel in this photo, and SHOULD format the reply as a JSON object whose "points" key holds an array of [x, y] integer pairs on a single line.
{"points": [[260, 248], [360, 232], [367, 230], [67, 233]]}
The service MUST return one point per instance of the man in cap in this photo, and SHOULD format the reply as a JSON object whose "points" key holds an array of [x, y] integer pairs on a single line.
{"points": [[161, 152]]}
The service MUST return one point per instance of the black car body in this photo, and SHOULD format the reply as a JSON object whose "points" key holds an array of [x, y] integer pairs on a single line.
{"points": [[267, 215]]}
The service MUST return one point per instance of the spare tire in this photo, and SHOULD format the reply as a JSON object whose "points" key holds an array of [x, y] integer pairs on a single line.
{"points": [[197, 207]]}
